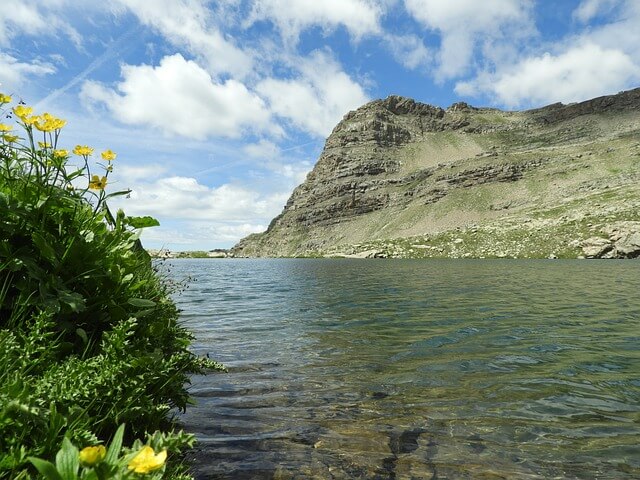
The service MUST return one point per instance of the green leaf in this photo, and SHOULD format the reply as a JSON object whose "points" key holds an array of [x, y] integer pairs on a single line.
{"points": [[45, 249], [67, 461], [118, 194], [114, 447], [142, 222], [75, 174], [73, 300], [42, 201], [90, 475], [83, 335], [144, 313], [46, 469], [141, 302]]}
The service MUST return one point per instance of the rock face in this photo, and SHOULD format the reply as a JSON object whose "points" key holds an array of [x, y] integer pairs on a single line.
{"points": [[622, 241], [397, 168]]}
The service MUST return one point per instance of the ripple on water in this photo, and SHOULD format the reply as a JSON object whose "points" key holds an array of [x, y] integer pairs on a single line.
{"points": [[412, 369]]}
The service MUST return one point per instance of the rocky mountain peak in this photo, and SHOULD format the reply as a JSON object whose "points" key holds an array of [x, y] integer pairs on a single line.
{"points": [[396, 168]]}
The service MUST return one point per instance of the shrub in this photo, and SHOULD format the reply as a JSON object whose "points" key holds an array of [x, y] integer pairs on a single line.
{"points": [[89, 337]]}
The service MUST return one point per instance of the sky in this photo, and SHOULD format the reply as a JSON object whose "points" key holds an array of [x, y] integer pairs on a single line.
{"points": [[218, 109]]}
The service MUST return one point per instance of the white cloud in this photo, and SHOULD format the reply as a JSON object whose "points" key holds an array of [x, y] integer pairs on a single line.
{"points": [[139, 173], [263, 149], [317, 98], [197, 236], [296, 171], [464, 24], [188, 23], [620, 33], [588, 9], [185, 199], [359, 17], [408, 50], [271, 155], [17, 17], [179, 97], [33, 18], [13, 73], [580, 73]]}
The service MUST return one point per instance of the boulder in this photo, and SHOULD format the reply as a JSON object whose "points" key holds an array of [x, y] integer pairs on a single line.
{"points": [[628, 246], [596, 247]]}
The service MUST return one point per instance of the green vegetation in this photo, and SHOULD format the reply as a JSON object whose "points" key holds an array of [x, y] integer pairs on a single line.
{"points": [[89, 337]]}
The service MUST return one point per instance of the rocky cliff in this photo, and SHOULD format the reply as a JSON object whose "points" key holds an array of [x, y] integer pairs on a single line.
{"points": [[398, 178]]}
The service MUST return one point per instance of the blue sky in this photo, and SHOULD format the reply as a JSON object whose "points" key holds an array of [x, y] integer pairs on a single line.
{"points": [[218, 109]]}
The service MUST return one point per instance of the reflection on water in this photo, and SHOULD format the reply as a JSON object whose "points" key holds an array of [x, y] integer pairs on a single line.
{"points": [[415, 369]]}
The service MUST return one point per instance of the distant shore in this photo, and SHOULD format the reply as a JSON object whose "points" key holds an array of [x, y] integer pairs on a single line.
{"points": [[165, 253]]}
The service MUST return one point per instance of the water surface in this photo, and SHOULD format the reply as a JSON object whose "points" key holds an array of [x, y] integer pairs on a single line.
{"points": [[395, 369]]}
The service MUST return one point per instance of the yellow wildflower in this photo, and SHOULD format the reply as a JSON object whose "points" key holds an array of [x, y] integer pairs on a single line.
{"points": [[22, 111], [61, 153], [10, 138], [97, 183], [108, 155], [82, 150], [147, 460], [48, 123], [28, 121], [5, 128], [90, 456], [44, 145], [5, 98]]}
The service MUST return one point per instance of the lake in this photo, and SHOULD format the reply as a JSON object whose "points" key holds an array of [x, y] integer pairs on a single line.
{"points": [[425, 369]]}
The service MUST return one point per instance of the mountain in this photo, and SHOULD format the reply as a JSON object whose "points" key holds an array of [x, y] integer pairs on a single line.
{"points": [[399, 178]]}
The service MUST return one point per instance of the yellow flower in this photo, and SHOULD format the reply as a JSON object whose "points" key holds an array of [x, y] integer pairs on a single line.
{"points": [[22, 111], [31, 120], [97, 183], [147, 460], [48, 123], [90, 456], [82, 150], [5, 98], [5, 128], [44, 145], [10, 138], [108, 155], [61, 153]]}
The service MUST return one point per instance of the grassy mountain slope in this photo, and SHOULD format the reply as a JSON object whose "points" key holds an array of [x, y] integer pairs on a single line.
{"points": [[402, 179]]}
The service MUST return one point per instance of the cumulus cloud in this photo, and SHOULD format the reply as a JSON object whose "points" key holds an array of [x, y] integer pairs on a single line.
{"points": [[185, 198], [621, 32], [206, 236], [465, 24], [180, 97], [598, 60], [359, 17], [408, 50], [14, 72], [580, 73], [317, 98], [32, 18], [188, 23]]}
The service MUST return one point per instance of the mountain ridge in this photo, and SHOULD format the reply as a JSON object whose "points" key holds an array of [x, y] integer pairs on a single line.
{"points": [[395, 172]]}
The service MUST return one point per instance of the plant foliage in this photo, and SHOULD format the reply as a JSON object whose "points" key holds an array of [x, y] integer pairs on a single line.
{"points": [[89, 337]]}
